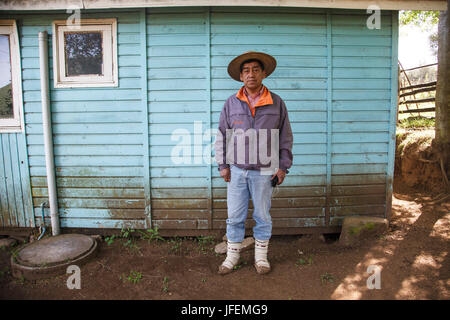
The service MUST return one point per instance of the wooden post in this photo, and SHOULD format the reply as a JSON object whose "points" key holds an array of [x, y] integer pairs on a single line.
{"points": [[443, 92], [398, 90]]}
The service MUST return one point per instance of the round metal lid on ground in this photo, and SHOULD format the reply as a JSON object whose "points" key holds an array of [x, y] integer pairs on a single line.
{"points": [[52, 256]]}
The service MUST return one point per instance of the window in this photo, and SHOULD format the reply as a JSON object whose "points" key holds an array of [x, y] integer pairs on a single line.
{"points": [[85, 55], [10, 78]]}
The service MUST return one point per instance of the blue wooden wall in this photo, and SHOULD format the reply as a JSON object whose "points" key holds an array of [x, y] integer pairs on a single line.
{"points": [[114, 146], [16, 208], [97, 134]]}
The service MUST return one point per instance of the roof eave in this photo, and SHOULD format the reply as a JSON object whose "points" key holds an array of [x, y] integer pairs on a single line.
{"points": [[114, 4]]}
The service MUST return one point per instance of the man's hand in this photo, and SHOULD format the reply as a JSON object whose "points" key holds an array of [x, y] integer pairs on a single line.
{"points": [[225, 174], [281, 175]]}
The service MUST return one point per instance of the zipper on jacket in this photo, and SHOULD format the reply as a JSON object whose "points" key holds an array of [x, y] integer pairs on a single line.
{"points": [[253, 120]]}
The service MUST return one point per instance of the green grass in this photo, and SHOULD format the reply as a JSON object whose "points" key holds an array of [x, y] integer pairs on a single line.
{"points": [[417, 122], [304, 261], [125, 238], [134, 277], [4, 272], [151, 235], [110, 240], [176, 245], [407, 139], [326, 277], [204, 243], [165, 287], [240, 265]]}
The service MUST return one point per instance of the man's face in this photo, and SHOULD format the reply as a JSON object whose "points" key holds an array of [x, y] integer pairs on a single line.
{"points": [[252, 75]]}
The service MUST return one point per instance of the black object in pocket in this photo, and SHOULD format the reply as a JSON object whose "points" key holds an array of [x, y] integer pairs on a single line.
{"points": [[274, 181]]}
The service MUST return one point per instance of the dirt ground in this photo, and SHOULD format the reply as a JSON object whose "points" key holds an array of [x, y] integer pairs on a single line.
{"points": [[413, 256]]}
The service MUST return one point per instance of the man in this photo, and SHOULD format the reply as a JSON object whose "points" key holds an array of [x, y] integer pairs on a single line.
{"points": [[253, 109]]}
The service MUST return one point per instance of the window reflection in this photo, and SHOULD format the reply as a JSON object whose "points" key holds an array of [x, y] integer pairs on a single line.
{"points": [[83, 52], [6, 99]]}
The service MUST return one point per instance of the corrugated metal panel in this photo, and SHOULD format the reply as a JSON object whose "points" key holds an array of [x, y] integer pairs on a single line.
{"points": [[97, 135]]}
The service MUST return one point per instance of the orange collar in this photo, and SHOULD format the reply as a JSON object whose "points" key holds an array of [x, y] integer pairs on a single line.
{"points": [[265, 99]]}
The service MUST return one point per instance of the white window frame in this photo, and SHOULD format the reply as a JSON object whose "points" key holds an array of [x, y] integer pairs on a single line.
{"points": [[15, 124], [109, 78]]}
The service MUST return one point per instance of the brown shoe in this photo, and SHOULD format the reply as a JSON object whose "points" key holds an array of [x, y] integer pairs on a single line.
{"points": [[224, 270], [262, 269], [232, 259]]}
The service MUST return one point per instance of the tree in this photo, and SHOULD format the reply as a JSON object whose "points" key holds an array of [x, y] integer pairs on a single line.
{"points": [[443, 92], [425, 20], [6, 102], [419, 18], [440, 41]]}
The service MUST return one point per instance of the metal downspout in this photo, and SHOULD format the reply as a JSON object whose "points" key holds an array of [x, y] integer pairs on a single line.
{"points": [[47, 130]]}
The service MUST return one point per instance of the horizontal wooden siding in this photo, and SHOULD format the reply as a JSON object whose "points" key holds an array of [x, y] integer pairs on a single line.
{"points": [[97, 134]]}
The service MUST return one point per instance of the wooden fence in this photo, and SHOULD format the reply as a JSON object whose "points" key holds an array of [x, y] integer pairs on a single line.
{"points": [[407, 92]]}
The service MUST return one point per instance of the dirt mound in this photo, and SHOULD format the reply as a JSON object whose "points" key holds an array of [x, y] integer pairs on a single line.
{"points": [[417, 160]]}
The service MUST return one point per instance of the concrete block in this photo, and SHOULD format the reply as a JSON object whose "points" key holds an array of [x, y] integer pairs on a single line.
{"points": [[356, 229]]}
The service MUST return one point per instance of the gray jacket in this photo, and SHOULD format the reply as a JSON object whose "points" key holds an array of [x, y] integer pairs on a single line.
{"points": [[236, 115]]}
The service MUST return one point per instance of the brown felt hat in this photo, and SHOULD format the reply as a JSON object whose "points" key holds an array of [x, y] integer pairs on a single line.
{"points": [[234, 67]]}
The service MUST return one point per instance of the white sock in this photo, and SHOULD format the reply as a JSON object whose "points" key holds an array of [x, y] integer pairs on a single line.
{"points": [[233, 254], [261, 249]]}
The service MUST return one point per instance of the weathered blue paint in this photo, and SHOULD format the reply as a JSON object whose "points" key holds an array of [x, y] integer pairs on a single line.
{"points": [[16, 209], [209, 111], [329, 117], [98, 147], [113, 146], [145, 117], [393, 115], [179, 71]]}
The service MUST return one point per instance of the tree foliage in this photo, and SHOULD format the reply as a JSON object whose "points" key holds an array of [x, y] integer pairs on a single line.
{"points": [[6, 102], [83, 53], [425, 20], [422, 19]]}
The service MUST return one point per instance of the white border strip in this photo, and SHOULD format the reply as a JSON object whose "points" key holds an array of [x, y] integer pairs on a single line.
{"points": [[108, 4]]}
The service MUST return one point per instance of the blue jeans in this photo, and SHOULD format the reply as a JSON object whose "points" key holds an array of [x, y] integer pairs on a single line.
{"points": [[243, 185]]}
